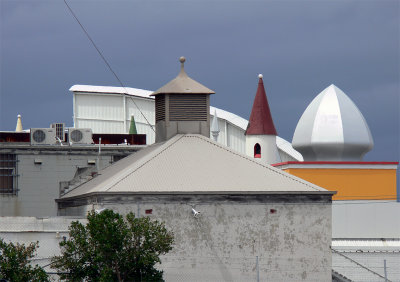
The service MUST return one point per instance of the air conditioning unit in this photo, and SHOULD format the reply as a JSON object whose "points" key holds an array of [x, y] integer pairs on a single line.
{"points": [[43, 136], [59, 127], [80, 136]]}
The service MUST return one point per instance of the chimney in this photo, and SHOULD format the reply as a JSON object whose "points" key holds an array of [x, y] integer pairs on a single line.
{"points": [[182, 107]]}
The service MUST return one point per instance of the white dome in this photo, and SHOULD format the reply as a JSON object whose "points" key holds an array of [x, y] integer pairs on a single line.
{"points": [[332, 128]]}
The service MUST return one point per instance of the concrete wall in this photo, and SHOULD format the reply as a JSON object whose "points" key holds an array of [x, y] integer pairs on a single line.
{"points": [[47, 231], [365, 219], [38, 184], [292, 240]]}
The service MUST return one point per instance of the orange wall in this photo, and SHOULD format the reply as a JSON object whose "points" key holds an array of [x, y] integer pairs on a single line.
{"points": [[352, 184]]}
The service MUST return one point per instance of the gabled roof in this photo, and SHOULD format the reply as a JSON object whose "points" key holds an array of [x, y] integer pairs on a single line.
{"points": [[192, 164], [183, 84], [260, 122]]}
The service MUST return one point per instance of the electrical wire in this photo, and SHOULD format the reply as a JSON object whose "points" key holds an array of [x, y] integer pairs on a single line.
{"points": [[357, 263], [106, 62]]}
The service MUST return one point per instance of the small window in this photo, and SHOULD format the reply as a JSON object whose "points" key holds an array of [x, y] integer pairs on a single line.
{"points": [[8, 174], [257, 151]]}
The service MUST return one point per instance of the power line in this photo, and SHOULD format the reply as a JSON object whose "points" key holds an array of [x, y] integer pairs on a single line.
{"points": [[106, 62], [357, 263]]}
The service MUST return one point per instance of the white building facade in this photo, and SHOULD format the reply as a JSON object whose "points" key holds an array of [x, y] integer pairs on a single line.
{"points": [[107, 109]]}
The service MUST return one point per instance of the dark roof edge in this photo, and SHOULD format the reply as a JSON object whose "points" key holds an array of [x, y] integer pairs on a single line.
{"points": [[305, 193]]}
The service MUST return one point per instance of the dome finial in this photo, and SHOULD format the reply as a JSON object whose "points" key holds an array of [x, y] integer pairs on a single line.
{"points": [[182, 60], [260, 76]]}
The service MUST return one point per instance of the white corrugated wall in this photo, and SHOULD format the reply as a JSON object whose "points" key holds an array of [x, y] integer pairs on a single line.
{"points": [[104, 113], [111, 113]]}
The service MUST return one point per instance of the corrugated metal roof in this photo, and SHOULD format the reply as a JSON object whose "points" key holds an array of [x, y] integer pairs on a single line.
{"points": [[367, 266], [111, 89], [288, 148], [192, 163], [371, 243], [363, 259], [242, 123], [230, 117]]}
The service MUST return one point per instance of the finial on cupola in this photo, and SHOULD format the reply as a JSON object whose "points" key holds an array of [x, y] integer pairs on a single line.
{"points": [[182, 60]]}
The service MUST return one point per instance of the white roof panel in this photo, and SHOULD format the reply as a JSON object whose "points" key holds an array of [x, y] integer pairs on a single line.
{"points": [[112, 89]]}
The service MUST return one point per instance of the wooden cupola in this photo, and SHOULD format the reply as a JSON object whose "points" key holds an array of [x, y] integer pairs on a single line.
{"points": [[182, 107]]}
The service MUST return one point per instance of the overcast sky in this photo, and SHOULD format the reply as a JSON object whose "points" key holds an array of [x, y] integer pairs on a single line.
{"points": [[301, 47]]}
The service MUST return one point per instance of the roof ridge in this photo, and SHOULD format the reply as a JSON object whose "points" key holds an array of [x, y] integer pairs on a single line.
{"points": [[256, 162]]}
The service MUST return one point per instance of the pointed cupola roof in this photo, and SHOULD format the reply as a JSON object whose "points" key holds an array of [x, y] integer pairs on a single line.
{"points": [[260, 122], [19, 128], [183, 84]]}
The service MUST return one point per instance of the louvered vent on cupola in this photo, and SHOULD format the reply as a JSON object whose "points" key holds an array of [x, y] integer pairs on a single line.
{"points": [[160, 107], [182, 106], [185, 107]]}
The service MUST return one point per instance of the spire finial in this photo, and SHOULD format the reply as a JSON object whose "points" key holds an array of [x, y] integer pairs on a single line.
{"points": [[19, 128], [260, 76], [215, 126]]}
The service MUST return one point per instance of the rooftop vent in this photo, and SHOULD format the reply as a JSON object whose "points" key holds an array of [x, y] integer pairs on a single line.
{"points": [[182, 106]]}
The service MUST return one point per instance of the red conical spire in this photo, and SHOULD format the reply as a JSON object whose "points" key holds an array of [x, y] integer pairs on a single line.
{"points": [[260, 122]]}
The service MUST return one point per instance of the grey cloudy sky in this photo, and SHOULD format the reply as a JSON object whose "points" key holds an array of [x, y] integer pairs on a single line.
{"points": [[301, 47]]}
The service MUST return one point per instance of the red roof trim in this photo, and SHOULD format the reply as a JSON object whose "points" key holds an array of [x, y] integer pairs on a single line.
{"points": [[260, 122], [339, 163]]}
